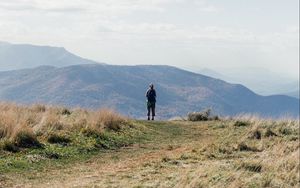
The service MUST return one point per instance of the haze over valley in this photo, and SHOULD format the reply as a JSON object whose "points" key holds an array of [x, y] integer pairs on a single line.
{"points": [[52, 75]]}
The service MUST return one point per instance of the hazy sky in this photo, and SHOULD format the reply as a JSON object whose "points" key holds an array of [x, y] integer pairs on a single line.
{"points": [[191, 34]]}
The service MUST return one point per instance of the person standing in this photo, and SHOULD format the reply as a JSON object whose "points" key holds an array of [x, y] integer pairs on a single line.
{"points": [[151, 100]]}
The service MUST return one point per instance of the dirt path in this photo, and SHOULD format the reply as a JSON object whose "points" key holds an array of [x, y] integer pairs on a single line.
{"points": [[100, 171], [156, 164], [128, 167], [180, 155]]}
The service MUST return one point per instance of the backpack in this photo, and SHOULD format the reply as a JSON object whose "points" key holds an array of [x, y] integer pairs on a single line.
{"points": [[151, 95]]}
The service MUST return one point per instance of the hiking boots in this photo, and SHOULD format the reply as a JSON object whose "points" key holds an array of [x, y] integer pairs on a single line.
{"points": [[151, 119]]}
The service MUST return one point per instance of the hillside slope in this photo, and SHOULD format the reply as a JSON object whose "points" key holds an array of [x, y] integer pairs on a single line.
{"points": [[80, 148], [259, 80], [20, 56], [123, 88], [294, 93]]}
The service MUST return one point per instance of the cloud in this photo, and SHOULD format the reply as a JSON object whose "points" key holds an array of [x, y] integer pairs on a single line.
{"points": [[91, 17], [209, 9], [43, 6], [83, 5], [115, 6], [185, 28], [205, 6], [192, 34], [294, 29], [15, 5]]}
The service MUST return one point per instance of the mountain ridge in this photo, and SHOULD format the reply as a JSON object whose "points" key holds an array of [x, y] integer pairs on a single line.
{"points": [[122, 88], [52, 75], [22, 56], [262, 81]]}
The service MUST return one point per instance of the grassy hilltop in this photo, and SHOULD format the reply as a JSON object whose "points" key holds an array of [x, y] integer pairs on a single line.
{"points": [[43, 146]]}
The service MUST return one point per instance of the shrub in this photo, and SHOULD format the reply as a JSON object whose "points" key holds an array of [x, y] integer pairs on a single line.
{"points": [[26, 139], [202, 116]]}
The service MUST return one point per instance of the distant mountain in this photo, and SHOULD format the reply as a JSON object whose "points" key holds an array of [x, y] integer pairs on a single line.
{"points": [[20, 56], [213, 74], [123, 88], [261, 81], [295, 94]]}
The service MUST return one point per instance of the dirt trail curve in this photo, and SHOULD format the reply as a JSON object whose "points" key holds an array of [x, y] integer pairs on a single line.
{"points": [[141, 165]]}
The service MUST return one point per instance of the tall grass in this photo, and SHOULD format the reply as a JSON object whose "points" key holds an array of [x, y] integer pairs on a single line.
{"points": [[22, 125], [277, 142]]}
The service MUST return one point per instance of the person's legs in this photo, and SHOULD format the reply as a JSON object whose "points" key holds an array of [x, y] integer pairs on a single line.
{"points": [[148, 108], [153, 111]]}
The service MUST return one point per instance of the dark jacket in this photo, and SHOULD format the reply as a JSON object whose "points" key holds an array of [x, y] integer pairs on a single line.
{"points": [[151, 95]]}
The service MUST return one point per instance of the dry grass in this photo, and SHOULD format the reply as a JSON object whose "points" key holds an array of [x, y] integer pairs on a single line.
{"points": [[220, 156], [107, 119], [204, 115], [277, 148], [245, 151], [22, 125]]}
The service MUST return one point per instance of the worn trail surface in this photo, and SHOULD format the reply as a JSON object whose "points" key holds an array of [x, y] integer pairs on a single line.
{"points": [[158, 162], [178, 154]]}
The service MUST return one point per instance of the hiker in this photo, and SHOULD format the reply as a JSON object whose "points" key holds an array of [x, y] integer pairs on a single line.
{"points": [[151, 100]]}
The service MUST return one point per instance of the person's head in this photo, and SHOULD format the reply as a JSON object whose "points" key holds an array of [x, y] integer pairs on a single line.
{"points": [[151, 86]]}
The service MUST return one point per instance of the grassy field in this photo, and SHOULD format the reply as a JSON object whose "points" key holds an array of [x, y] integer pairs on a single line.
{"points": [[44, 146]]}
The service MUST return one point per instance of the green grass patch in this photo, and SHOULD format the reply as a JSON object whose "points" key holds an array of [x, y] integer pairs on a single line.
{"points": [[63, 149]]}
